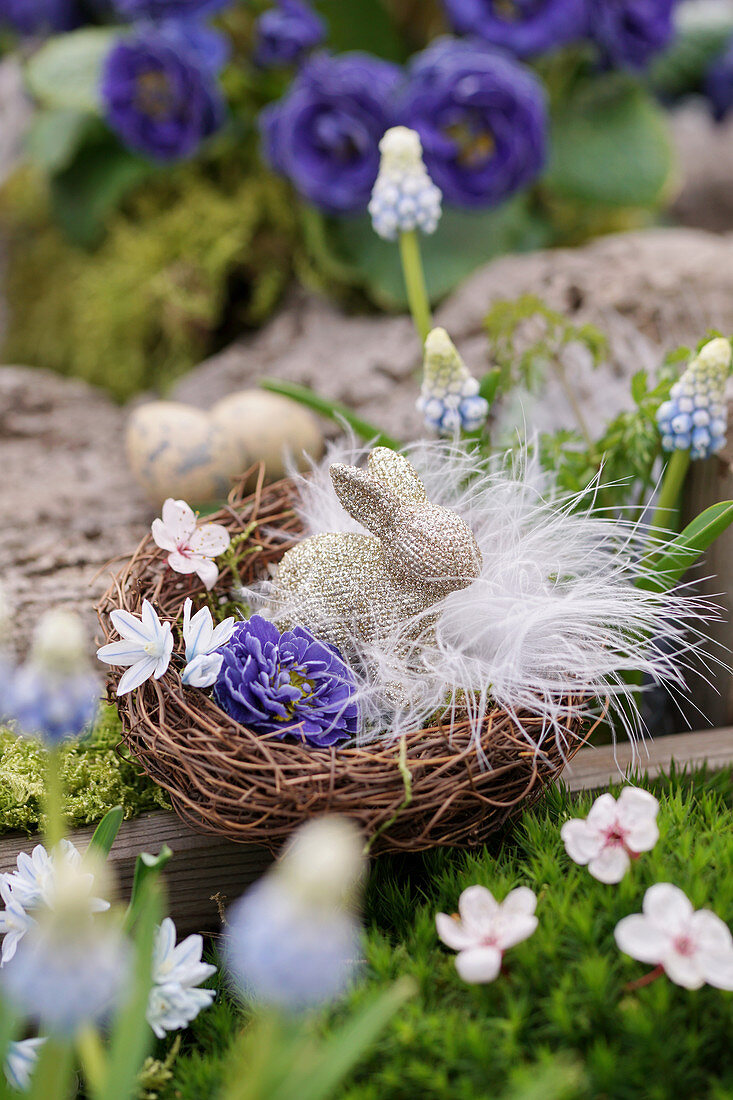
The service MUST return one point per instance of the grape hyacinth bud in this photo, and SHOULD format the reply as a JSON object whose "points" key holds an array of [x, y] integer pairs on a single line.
{"points": [[695, 417], [404, 197], [449, 398]]}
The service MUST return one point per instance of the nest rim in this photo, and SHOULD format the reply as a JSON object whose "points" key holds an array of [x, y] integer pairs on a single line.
{"points": [[426, 789]]}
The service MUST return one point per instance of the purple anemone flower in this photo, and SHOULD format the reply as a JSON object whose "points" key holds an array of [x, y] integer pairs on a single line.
{"points": [[286, 33], [630, 32], [719, 84], [481, 117], [39, 16], [286, 684], [324, 134], [160, 97], [524, 28], [166, 9]]}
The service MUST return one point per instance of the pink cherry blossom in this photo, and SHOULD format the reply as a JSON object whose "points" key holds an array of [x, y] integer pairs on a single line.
{"points": [[192, 548], [486, 929], [692, 947], [613, 834]]}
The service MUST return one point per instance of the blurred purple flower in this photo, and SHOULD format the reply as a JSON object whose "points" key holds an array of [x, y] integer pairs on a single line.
{"points": [[719, 84], [206, 47], [286, 684], [324, 134], [630, 32], [285, 33], [523, 27], [482, 120], [159, 98], [166, 9], [39, 16]]}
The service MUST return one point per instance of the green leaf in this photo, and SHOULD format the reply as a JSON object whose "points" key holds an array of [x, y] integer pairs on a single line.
{"points": [[610, 145], [56, 135], [490, 383], [106, 832], [362, 25], [639, 386], [147, 869], [87, 192], [52, 1078], [681, 69], [686, 548], [66, 71], [334, 410], [462, 242]]}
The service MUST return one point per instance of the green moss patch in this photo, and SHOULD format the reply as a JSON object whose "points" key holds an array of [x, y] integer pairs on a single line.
{"points": [[95, 779]]}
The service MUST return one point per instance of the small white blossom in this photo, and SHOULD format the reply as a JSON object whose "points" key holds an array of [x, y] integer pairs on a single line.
{"points": [[20, 1062], [191, 548], [486, 928], [39, 883], [449, 399], [146, 647], [202, 639], [404, 197], [692, 947], [613, 833], [178, 970]]}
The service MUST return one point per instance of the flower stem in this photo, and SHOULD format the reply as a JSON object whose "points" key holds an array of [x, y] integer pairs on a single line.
{"points": [[417, 295], [93, 1061], [669, 494], [646, 979], [54, 798]]}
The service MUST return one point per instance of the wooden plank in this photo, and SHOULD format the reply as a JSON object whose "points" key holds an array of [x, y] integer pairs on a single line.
{"points": [[208, 872]]}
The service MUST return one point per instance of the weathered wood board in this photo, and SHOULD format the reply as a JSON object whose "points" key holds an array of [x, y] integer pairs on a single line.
{"points": [[206, 872]]}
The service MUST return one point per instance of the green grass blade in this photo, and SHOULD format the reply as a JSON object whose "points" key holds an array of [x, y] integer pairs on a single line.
{"points": [[334, 410], [53, 1074], [106, 832], [665, 569], [338, 1057], [8, 1028], [147, 867]]}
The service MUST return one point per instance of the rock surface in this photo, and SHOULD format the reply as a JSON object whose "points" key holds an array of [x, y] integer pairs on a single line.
{"points": [[69, 504]]}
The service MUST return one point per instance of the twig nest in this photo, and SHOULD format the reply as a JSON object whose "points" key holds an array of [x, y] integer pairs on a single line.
{"points": [[267, 428], [174, 450]]}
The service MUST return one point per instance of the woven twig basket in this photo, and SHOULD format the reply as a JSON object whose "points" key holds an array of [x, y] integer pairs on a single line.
{"points": [[427, 790]]}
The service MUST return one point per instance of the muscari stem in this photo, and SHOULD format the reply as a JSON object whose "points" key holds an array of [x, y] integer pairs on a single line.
{"points": [[93, 1059], [417, 295], [54, 798], [669, 493]]}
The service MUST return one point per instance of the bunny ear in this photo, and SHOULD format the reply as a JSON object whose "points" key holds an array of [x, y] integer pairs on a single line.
{"points": [[394, 472], [366, 500]]}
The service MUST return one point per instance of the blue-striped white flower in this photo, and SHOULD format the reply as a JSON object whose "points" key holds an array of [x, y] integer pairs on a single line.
{"points": [[20, 1062], [695, 417], [175, 999], [146, 647], [449, 397], [404, 197], [202, 640]]}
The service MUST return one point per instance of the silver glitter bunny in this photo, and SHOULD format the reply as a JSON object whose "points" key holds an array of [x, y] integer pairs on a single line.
{"points": [[352, 588]]}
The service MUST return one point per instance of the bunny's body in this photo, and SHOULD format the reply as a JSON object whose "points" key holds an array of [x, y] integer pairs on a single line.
{"points": [[351, 588]]}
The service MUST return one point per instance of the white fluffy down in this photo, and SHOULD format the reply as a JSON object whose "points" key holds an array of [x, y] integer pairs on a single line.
{"points": [[555, 613]]}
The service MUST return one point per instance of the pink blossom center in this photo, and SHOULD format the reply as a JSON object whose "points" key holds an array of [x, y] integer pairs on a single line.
{"points": [[615, 836], [685, 945]]}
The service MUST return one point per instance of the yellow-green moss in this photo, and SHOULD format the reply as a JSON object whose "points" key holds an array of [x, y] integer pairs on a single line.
{"points": [[95, 779], [144, 307]]}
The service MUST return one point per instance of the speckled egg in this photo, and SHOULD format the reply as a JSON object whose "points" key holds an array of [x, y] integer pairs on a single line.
{"points": [[267, 428], [177, 451]]}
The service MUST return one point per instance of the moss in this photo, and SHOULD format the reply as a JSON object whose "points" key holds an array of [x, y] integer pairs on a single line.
{"points": [[95, 779], [149, 302], [563, 994]]}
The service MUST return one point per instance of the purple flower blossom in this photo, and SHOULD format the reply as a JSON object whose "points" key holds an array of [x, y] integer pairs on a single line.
{"points": [[205, 46], [286, 684], [523, 27], [165, 9], [719, 84], [285, 33], [630, 32], [39, 16], [481, 118], [324, 134], [159, 97]]}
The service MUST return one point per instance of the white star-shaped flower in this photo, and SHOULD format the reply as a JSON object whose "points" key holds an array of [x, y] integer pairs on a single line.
{"points": [[486, 929], [146, 647], [692, 947], [191, 548], [175, 999], [613, 834], [202, 640]]}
